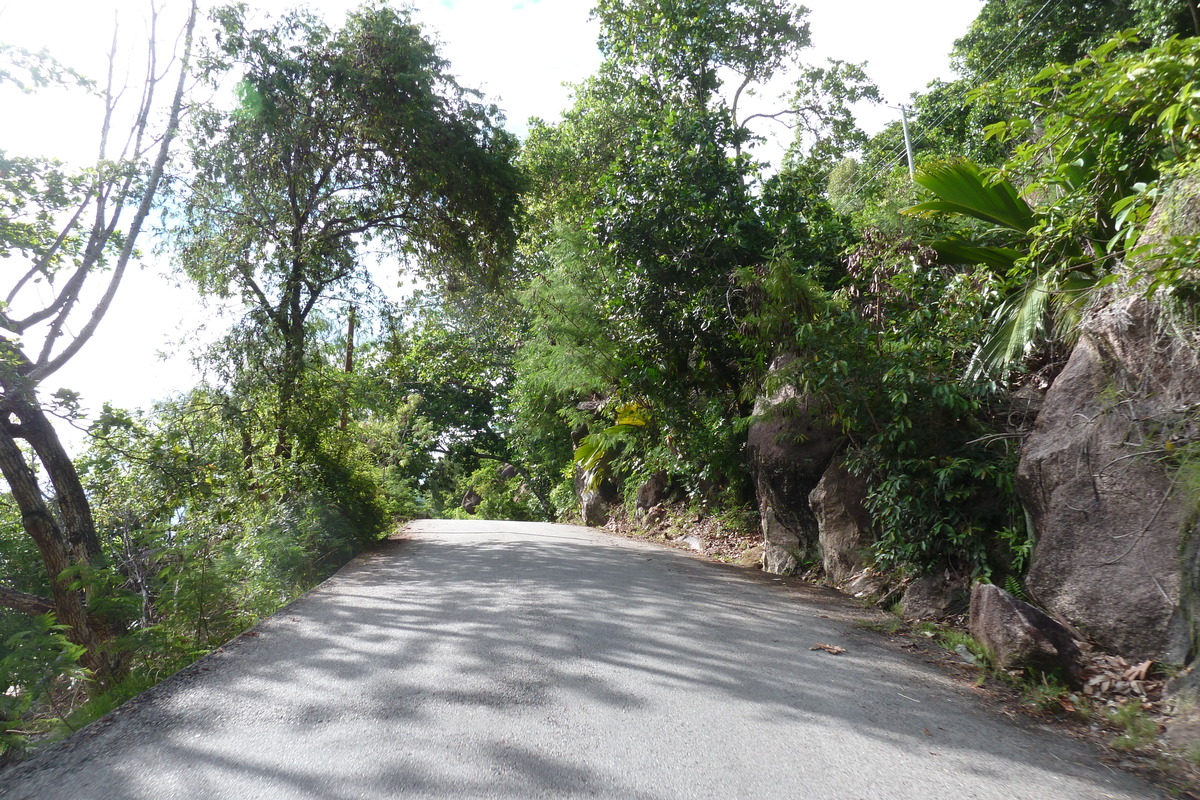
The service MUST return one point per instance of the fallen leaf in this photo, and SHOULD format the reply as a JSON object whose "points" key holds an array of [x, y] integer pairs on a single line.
{"points": [[1139, 672], [832, 649], [927, 733], [1067, 705]]}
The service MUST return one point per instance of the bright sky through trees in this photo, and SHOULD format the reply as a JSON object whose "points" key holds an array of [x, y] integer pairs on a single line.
{"points": [[519, 52]]}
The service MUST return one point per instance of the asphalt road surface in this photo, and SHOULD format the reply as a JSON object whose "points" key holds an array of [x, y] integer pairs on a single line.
{"points": [[514, 660]]}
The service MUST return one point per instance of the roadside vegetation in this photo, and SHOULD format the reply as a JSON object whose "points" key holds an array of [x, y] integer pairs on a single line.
{"points": [[599, 304]]}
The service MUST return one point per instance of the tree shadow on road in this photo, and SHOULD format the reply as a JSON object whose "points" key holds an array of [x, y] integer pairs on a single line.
{"points": [[464, 662]]}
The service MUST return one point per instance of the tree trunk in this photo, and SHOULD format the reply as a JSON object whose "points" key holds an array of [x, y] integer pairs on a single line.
{"points": [[289, 384], [70, 548]]}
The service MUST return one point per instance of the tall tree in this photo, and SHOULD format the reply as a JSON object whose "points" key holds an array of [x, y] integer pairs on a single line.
{"points": [[340, 137], [69, 230], [1011, 40], [645, 202]]}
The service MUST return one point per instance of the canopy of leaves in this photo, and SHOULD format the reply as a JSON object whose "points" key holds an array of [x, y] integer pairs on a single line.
{"points": [[340, 137]]}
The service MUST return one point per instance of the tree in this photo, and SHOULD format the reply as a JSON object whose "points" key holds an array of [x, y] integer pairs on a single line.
{"points": [[454, 355], [646, 198], [1013, 39], [66, 229], [1109, 128], [340, 137]]}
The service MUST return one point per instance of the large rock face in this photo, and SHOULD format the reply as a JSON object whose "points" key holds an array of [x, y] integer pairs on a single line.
{"points": [[843, 524], [1110, 516], [789, 446], [652, 494], [596, 492]]}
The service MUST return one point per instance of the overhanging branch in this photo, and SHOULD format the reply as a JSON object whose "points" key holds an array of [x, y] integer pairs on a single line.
{"points": [[24, 602]]}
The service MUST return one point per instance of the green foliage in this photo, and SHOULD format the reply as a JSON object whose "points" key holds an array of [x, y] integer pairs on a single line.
{"points": [[343, 139], [1043, 694], [34, 195], [820, 109], [682, 44], [1114, 125], [659, 275], [885, 354], [1011, 40], [205, 535], [1060, 275], [34, 663], [642, 205], [1138, 728], [1109, 126], [953, 639], [1014, 586], [343, 134], [29, 71], [505, 495], [960, 188]]}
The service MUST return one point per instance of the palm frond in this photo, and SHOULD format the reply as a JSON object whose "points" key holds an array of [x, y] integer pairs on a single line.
{"points": [[1020, 321], [961, 251], [961, 188]]}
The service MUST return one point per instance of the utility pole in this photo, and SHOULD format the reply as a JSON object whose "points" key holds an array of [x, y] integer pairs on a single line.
{"points": [[912, 172]]}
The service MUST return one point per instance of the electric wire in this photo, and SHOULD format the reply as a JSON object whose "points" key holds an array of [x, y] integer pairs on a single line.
{"points": [[874, 172]]}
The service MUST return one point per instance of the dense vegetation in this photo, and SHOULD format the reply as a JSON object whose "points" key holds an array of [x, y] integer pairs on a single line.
{"points": [[607, 297]]}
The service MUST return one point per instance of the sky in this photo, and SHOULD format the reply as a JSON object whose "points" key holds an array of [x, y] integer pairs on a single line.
{"points": [[521, 53]]}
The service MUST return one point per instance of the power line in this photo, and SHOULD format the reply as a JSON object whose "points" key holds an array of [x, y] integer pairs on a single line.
{"points": [[988, 72]]}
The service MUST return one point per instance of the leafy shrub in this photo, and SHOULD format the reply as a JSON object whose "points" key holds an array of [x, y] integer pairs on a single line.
{"points": [[34, 663]]}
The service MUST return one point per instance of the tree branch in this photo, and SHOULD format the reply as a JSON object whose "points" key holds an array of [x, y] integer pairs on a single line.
{"points": [[24, 602], [51, 365]]}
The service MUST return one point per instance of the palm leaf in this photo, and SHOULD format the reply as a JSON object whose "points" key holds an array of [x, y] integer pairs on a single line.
{"points": [[960, 188], [1018, 323], [961, 251], [1072, 295]]}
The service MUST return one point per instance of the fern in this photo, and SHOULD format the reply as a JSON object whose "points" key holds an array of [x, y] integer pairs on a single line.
{"points": [[1016, 587]]}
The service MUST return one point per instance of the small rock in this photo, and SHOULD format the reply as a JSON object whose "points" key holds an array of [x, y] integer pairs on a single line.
{"points": [[866, 584], [752, 557], [937, 596], [965, 654], [1019, 636]]}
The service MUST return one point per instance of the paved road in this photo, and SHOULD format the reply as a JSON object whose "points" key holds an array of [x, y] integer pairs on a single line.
{"points": [[509, 660]]}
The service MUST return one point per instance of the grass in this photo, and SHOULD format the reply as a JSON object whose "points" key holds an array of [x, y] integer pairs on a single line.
{"points": [[1138, 729]]}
